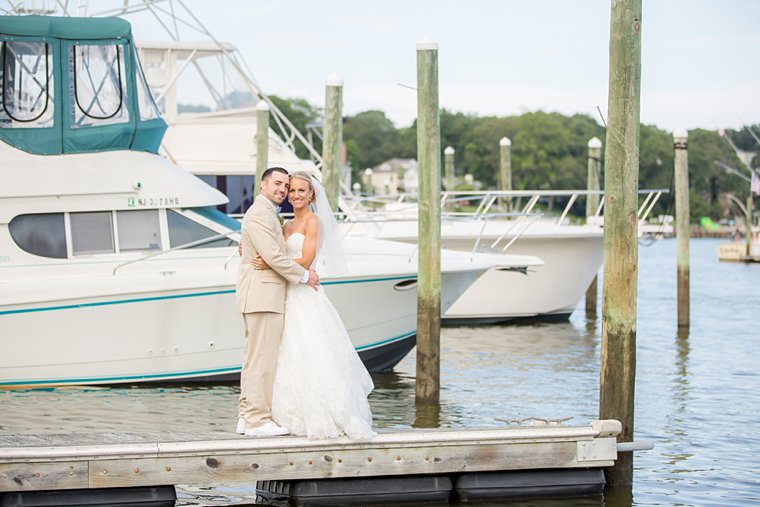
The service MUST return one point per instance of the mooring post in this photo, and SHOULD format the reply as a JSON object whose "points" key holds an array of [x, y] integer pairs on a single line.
{"points": [[505, 164], [332, 138], [682, 223], [448, 163], [429, 224], [505, 168], [621, 175], [592, 204], [262, 144]]}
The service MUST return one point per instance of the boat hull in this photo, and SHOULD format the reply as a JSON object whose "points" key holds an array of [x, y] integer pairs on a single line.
{"points": [[172, 335], [548, 292], [190, 334]]}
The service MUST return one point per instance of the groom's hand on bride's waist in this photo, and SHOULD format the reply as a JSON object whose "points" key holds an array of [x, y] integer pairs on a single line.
{"points": [[258, 263], [313, 280]]}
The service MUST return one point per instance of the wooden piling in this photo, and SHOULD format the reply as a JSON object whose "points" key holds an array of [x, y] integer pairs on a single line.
{"points": [[367, 181], [429, 224], [621, 174], [262, 143], [592, 204], [505, 164], [682, 223], [448, 162], [332, 139]]}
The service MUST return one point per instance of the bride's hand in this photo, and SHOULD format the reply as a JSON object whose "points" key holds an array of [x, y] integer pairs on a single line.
{"points": [[258, 263]]}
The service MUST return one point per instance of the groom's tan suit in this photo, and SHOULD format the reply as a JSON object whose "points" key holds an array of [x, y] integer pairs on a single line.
{"points": [[260, 297]]}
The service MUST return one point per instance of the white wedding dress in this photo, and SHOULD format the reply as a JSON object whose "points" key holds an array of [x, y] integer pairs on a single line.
{"points": [[321, 385]]}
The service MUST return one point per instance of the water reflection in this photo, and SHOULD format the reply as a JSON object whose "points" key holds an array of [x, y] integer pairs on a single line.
{"points": [[427, 415], [618, 496]]}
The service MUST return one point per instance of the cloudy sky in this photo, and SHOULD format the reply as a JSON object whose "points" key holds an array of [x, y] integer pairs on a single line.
{"points": [[499, 57]]}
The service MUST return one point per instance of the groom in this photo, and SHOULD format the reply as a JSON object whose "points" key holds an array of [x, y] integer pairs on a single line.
{"points": [[260, 297]]}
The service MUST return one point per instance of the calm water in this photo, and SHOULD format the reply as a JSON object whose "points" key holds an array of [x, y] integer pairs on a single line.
{"points": [[697, 395]]}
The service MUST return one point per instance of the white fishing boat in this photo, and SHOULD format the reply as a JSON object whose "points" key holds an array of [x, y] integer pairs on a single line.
{"points": [[116, 266], [572, 254]]}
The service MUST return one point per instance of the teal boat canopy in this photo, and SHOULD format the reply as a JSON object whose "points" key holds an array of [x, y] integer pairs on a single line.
{"points": [[74, 85]]}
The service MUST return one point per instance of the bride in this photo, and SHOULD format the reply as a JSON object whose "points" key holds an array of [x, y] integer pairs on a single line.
{"points": [[320, 385]]}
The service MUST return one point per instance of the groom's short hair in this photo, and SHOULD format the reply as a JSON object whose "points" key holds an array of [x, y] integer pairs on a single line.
{"points": [[268, 172]]}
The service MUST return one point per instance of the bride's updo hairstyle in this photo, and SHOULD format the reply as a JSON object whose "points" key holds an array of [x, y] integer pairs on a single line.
{"points": [[303, 175]]}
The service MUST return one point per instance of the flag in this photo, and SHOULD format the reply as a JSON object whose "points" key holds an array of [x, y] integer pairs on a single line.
{"points": [[755, 185]]}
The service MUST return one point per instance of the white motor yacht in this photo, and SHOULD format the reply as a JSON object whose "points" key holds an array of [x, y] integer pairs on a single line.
{"points": [[115, 265], [571, 255]]}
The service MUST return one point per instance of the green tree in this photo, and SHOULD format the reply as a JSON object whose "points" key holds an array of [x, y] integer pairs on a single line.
{"points": [[371, 138]]}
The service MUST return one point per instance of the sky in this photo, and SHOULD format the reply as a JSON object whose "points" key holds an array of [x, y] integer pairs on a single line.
{"points": [[498, 57]]}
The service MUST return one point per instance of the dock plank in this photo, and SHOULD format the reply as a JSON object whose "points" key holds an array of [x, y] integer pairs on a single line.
{"points": [[127, 459], [44, 476]]}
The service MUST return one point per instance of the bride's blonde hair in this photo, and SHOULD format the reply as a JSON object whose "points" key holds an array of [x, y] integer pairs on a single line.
{"points": [[303, 175]]}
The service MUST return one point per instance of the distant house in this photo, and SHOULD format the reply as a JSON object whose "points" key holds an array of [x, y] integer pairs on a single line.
{"points": [[392, 176]]}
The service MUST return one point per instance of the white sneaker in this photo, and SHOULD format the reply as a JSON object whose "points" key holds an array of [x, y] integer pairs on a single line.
{"points": [[240, 428], [269, 429]]}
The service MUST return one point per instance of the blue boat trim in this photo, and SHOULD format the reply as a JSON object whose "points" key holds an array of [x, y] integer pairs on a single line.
{"points": [[119, 302], [149, 377], [177, 296], [122, 378], [385, 342]]}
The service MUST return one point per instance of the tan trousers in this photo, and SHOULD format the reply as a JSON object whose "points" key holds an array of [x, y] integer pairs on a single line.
{"points": [[263, 331]]}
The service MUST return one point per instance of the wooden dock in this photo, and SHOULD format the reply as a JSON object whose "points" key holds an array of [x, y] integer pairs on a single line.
{"points": [[116, 460]]}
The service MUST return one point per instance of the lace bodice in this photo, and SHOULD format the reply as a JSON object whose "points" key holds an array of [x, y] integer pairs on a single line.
{"points": [[294, 245]]}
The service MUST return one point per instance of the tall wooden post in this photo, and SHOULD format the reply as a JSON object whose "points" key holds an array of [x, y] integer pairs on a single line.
{"points": [[448, 163], [332, 139], [262, 144], [429, 224], [682, 223], [367, 181], [621, 175], [592, 204], [505, 164]]}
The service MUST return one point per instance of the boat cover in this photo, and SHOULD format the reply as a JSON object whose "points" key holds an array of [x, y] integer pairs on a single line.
{"points": [[62, 39]]}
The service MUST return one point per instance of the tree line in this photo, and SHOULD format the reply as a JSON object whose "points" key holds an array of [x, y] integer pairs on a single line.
{"points": [[549, 151]]}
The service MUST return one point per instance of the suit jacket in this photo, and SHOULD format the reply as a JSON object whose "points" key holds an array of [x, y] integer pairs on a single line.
{"points": [[261, 234]]}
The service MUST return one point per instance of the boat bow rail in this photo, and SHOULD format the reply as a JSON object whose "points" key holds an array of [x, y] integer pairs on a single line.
{"points": [[489, 206]]}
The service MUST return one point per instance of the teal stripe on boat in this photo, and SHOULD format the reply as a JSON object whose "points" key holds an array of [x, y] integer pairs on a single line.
{"points": [[385, 342], [123, 378], [175, 296], [189, 374]]}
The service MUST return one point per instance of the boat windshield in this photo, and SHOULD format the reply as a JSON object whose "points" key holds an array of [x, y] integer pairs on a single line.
{"points": [[217, 216]]}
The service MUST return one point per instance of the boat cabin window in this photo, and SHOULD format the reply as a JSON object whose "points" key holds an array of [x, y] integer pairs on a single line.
{"points": [[98, 85], [42, 234], [91, 233], [138, 230], [182, 231], [26, 74]]}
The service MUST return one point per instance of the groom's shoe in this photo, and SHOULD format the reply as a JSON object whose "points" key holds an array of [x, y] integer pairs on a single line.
{"points": [[240, 428], [269, 429]]}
